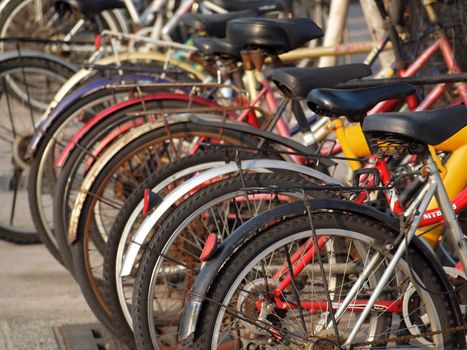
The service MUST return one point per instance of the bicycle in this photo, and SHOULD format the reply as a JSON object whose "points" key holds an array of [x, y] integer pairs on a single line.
{"points": [[139, 240], [391, 281], [34, 75]]}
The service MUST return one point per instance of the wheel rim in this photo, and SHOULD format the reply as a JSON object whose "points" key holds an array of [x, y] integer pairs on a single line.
{"points": [[300, 236]]}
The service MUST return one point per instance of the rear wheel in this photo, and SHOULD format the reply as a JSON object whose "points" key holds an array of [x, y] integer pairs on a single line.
{"points": [[109, 190], [130, 217], [67, 180], [248, 306], [170, 263], [38, 19], [37, 79], [44, 173]]}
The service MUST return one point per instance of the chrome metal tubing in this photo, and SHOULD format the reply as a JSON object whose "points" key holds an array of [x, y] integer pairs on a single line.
{"points": [[394, 261], [453, 229]]}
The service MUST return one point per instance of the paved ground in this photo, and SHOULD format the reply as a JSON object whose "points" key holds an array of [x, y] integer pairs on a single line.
{"points": [[36, 295]]}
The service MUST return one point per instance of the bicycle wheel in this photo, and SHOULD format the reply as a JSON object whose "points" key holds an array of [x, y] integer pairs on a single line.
{"points": [[130, 217], [110, 188], [249, 304], [38, 19], [43, 173], [109, 130], [63, 127], [40, 77], [168, 267]]}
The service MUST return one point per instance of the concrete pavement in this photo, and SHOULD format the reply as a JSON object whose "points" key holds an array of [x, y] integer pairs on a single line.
{"points": [[36, 295]]}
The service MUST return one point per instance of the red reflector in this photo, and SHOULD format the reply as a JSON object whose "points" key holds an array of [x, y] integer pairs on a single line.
{"points": [[209, 247], [147, 196], [97, 42]]}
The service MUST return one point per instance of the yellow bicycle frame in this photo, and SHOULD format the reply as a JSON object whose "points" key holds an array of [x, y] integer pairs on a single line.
{"points": [[354, 145]]}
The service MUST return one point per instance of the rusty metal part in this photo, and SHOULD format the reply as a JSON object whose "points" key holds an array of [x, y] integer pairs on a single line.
{"points": [[412, 336]]}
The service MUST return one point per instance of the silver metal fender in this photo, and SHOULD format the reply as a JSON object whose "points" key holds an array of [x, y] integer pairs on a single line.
{"points": [[203, 119], [186, 187], [129, 224]]}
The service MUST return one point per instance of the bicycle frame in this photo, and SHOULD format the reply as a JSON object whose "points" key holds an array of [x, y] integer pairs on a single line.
{"points": [[415, 212], [418, 215], [306, 253], [354, 145], [352, 140]]}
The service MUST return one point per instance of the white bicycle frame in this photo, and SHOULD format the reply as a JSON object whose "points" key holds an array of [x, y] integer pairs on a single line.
{"points": [[155, 9]]}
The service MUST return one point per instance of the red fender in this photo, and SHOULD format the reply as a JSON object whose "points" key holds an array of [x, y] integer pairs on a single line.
{"points": [[112, 109]]}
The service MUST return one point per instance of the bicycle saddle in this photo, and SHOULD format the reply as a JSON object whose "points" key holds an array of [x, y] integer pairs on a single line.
{"points": [[88, 8], [259, 6], [427, 127], [298, 82], [272, 35], [216, 46], [354, 103], [215, 24]]}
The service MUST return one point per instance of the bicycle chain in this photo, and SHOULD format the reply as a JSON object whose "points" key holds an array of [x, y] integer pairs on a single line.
{"points": [[412, 336]]}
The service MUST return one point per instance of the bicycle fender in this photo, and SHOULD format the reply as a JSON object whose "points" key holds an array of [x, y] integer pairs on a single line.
{"points": [[180, 191], [226, 249], [116, 107], [139, 132], [287, 142], [49, 117]]}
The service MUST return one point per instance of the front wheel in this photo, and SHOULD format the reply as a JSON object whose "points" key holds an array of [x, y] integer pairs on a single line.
{"points": [[255, 304]]}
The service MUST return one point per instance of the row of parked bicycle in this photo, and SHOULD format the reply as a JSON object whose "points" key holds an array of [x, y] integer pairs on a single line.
{"points": [[210, 197]]}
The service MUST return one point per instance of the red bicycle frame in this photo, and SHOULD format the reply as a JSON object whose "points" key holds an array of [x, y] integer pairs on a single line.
{"points": [[441, 43]]}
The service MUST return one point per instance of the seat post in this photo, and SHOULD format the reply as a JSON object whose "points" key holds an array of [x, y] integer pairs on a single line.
{"points": [[453, 231], [250, 77]]}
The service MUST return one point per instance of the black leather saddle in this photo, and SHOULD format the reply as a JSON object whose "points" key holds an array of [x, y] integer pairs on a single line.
{"points": [[88, 8], [272, 35], [296, 83], [259, 6], [354, 103], [216, 47], [428, 127], [215, 24]]}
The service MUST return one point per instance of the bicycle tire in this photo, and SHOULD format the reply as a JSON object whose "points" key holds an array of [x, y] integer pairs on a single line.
{"points": [[43, 172], [81, 247], [14, 15], [130, 216], [294, 228], [172, 239], [72, 172], [47, 144], [50, 69]]}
